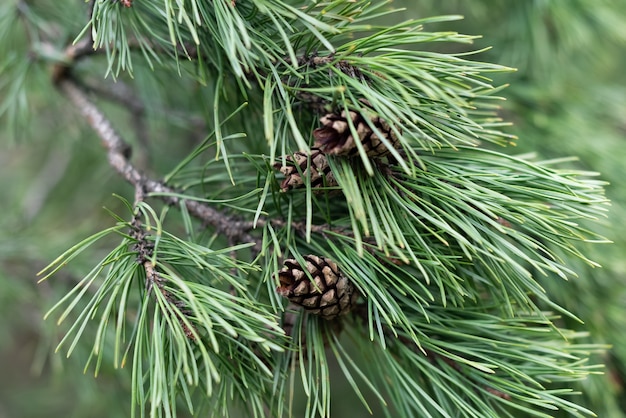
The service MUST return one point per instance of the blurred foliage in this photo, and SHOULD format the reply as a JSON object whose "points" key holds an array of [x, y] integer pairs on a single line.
{"points": [[568, 97]]}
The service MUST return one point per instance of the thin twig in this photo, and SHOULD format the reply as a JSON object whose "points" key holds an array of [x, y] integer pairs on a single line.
{"points": [[300, 227], [118, 155], [119, 92], [118, 150], [154, 281]]}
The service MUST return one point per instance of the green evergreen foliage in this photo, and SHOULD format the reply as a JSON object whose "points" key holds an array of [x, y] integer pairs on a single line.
{"points": [[475, 254]]}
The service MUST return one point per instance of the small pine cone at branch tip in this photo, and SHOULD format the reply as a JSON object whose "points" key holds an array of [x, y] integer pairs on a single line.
{"points": [[335, 136], [300, 166], [325, 291]]}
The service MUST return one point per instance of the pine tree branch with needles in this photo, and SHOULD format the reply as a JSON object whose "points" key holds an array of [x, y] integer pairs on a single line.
{"points": [[352, 202]]}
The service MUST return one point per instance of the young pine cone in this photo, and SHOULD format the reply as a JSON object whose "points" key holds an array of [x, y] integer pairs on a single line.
{"points": [[297, 168], [335, 137], [329, 294]]}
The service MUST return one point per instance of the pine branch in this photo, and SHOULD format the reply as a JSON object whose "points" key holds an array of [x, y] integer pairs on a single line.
{"points": [[429, 231], [119, 154], [119, 151]]}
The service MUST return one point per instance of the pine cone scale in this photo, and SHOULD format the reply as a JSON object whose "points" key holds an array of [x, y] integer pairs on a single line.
{"points": [[335, 136], [301, 165]]}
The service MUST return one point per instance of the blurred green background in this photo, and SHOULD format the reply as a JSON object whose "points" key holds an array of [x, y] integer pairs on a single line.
{"points": [[567, 98]]}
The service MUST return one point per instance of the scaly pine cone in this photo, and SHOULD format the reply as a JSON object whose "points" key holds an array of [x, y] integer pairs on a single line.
{"points": [[335, 137], [329, 295], [297, 169]]}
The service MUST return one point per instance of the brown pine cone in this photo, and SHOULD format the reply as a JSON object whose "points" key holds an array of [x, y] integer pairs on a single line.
{"points": [[297, 169], [335, 137], [329, 295]]}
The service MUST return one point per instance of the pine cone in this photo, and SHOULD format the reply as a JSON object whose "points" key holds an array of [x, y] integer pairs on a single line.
{"points": [[336, 138], [329, 295], [297, 169]]}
